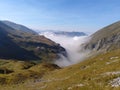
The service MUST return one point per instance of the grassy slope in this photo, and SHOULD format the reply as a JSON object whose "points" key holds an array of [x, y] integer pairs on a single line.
{"points": [[110, 30], [14, 72], [87, 75]]}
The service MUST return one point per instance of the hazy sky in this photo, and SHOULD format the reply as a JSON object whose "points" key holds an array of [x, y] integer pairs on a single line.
{"points": [[73, 15]]}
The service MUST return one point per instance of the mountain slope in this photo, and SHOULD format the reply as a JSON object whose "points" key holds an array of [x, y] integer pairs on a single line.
{"points": [[92, 74], [99, 72], [22, 45], [105, 39], [95, 73], [18, 27], [9, 49]]}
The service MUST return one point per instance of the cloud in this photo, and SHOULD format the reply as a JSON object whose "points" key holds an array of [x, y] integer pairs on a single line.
{"points": [[72, 46]]}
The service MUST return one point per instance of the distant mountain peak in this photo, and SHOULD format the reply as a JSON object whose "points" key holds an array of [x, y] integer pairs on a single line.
{"points": [[66, 33]]}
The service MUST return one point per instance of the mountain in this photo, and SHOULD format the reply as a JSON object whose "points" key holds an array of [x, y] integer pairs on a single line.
{"points": [[101, 72], [98, 72], [18, 27], [25, 45], [106, 39], [70, 34], [66, 33]]}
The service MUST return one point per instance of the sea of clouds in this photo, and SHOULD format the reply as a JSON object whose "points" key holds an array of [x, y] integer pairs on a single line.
{"points": [[73, 46]]}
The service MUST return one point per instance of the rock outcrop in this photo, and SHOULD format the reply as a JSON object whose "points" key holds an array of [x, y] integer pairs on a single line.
{"points": [[105, 39]]}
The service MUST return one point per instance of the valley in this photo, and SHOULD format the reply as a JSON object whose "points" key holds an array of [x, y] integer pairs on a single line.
{"points": [[28, 60], [96, 73], [59, 45]]}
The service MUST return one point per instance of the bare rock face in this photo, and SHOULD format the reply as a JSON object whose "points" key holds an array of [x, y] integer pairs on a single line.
{"points": [[23, 45]]}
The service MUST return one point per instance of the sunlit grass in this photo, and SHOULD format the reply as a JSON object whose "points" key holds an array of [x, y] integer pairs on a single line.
{"points": [[87, 75]]}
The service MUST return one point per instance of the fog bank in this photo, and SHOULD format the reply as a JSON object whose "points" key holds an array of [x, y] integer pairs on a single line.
{"points": [[72, 46]]}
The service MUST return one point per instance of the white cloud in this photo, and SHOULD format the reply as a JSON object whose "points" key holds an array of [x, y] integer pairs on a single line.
{"points": [[72, 46]]}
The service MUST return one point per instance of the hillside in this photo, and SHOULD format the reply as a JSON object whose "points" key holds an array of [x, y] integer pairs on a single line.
{"points": [[22, 45], [98, 72], [105, 39], [18, 27], [25, 55]]}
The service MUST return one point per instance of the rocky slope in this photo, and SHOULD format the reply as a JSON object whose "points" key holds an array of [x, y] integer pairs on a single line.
{"points": [[105, 39], [24, 45]]}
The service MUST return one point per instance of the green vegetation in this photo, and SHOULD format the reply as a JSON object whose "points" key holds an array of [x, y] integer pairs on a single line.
{"points": [[92, 74], [95, 73], [14, 72]]}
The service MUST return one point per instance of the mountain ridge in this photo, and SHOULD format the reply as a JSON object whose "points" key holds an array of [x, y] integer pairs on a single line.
{"points": [[18, 26], [98, 72], [105, 39], [64, 33], [19, 42]]}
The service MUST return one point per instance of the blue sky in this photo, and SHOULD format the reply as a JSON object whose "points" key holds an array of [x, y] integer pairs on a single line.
{"points": [[68, 15]]}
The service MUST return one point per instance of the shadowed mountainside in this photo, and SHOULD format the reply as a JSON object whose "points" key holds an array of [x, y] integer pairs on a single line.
{"points": [[23, 45]]}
